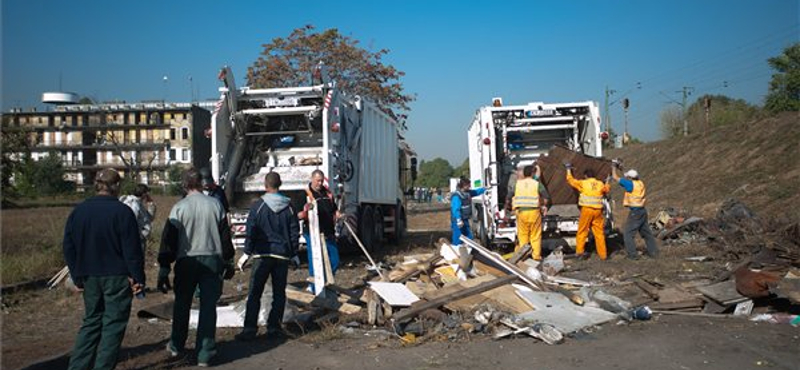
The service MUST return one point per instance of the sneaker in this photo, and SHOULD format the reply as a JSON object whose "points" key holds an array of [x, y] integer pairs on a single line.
{"points": [[245, 336], [202, 364], [172, 351]]}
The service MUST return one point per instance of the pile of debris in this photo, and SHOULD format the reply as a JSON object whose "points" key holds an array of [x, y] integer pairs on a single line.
{"points": [[763, 255]]}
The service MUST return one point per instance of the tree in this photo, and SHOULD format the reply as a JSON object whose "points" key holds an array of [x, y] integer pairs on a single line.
{"points": [[43, 177], [671, 122], [784, 88], [15, 146], [435, 173], [462, 170], [290, 61], [136, 161], [722, 111]]}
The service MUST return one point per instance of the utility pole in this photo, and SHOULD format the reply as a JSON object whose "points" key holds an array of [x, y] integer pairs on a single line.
{"points": [[609, 92], [687, 90]]}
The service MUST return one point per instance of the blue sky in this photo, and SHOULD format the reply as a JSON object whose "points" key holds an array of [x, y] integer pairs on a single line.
{"points": [[457, 55]]}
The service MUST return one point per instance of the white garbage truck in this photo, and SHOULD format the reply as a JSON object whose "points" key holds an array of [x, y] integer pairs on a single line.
{"points": [[296, 130], [502, 138]]}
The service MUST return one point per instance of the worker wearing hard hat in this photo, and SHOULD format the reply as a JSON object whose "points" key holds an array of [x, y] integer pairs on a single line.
{"points": [[637, 214], [590, 201], [530, 205]]}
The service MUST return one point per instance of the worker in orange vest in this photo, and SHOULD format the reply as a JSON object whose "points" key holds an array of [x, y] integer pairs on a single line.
{"points": [[530, 205], [590, 201], [637, 214]]}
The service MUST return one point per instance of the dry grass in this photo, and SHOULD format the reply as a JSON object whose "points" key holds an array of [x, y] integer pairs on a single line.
{"points": [[31, 240]]}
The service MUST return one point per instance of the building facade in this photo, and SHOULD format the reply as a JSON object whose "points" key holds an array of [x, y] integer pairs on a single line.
{"points": [[143, 139]]}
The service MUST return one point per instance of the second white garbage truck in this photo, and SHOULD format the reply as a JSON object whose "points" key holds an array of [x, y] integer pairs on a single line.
{"points": [[502, 137]]}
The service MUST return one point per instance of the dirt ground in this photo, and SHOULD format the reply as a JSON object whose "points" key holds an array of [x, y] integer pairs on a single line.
{"points": [[39, 328]]}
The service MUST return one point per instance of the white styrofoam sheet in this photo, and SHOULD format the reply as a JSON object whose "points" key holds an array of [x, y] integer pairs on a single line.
{"points": [[395, 294]]}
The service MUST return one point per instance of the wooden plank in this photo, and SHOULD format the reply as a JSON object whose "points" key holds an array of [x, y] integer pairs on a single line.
{"points": [[309, 299], [488, 269], [506, 297], [426, 265], [723, 293], [415, 309], [326, 259], [688, 304], [649, 289], [316, 250], [674, 294]]}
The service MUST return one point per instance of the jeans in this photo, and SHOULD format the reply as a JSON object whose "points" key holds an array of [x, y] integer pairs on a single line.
{"points": [[637, 221], [107, 300], [457, 232], [333, 254], [263, 268], [205, 271]]}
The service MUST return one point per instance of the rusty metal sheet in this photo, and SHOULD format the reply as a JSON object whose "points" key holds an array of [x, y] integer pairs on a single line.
{"points": [[554, 176]]}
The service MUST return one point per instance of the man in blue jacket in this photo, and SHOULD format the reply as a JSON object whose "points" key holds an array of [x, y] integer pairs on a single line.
{"points": [[272, 241], [461, 209], [104, 254]]}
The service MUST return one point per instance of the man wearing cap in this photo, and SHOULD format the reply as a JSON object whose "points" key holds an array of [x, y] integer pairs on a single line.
{"points": [[197, 239], [590, 200], [637, 214], [102, 248]]}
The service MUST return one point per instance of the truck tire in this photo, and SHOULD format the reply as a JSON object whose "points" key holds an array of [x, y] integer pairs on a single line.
{"points": [[400, 225], [379, 227], [367, 228]]}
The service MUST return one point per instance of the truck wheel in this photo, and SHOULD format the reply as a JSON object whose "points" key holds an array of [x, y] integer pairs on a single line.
{"points": [[379, 226], [367, 228], [400, 227]]}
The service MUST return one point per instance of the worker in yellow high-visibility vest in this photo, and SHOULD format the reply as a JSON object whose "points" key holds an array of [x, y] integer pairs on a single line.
{"points": [[590, 201], [530, 205], [637, 215]]}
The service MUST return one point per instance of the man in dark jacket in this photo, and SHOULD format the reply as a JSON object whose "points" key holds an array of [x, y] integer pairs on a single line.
{"points": [[103, 251], [328, 213], [197, 238], [272, 240]]}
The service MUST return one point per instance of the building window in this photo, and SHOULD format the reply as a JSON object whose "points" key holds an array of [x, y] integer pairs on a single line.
{"points": [[185, 155], [173, 134], [184, 133], [173, 155]]}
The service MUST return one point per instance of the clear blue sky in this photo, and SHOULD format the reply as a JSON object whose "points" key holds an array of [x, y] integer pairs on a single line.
{"points": [[457, 55]]}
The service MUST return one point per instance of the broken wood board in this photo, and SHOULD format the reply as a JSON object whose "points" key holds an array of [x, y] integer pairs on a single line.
{"points": [[555, 309], [463, 304], [395, 294], [420, 306], [554, 175], [309, 299], [488, 269], [690, 304], [506, 297], [674, 294], [649, 289], [723, 293]]}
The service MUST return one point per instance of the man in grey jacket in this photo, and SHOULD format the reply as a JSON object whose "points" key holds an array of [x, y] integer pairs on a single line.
{"points": [[197, 238], [272, 240]]}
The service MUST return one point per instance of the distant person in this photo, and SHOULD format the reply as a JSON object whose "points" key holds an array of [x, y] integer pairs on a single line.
{"points": [[461, 209], [143, 208], [592, 191], [102, 248], [530, 205], [328, 213], [637, 214], [272, 240], [213, 190], [197, 239]]}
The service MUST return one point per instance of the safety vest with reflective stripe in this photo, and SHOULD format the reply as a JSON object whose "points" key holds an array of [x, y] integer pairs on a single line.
{"points": [[591, 193], [526, 194], [635, 198]]}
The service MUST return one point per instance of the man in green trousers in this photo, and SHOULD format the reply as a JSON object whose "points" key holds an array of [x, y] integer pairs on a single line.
{"points": [[197, 238], [103, 251]]}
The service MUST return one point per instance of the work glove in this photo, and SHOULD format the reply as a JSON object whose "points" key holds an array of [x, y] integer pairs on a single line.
{"points": [[229, 270], [294, 262], [568, 165], [460, 223], [163, 280], [616, 162]]}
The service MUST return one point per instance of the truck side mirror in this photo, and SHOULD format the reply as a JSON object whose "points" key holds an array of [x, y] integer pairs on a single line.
{"points": [[414, 169]]}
